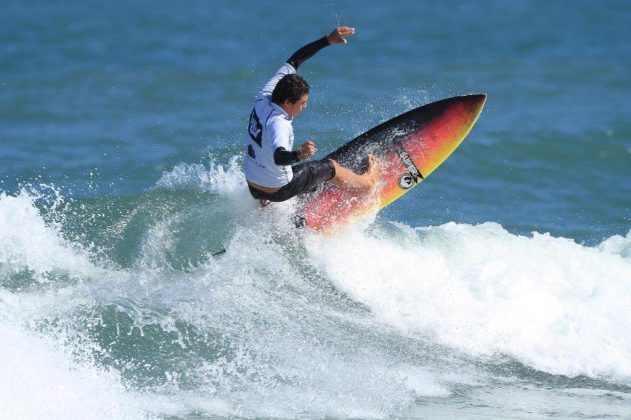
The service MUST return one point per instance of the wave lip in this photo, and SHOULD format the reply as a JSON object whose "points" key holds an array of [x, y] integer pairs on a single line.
{"points": [[28, 242]]}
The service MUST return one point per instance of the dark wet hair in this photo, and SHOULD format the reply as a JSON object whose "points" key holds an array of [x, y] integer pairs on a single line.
{"points": [[292, 87]]}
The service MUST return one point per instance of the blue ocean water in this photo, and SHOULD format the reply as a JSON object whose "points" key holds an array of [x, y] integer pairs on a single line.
{"points": [[497, 289]]}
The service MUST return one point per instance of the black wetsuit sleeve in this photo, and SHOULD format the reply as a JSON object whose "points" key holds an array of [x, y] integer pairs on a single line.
{"points": [[284, 157], [306, 52]]}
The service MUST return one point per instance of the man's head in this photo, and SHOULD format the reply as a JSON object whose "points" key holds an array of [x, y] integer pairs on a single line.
{"points": [[291, 93]]}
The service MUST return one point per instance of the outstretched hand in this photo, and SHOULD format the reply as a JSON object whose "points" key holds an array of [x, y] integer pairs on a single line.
{"points": [[339, 34], [307, 150]]}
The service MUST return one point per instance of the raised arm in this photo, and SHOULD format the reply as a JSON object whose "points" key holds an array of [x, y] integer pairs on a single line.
{"points": [[337, 36]]}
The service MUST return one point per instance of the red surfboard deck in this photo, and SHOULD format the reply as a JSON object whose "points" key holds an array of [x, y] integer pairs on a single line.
{"points": [[410, 147]]}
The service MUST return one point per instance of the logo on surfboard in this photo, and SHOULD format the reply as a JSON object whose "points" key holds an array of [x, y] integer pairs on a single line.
{"points": [[406, 181], [413, 176]]}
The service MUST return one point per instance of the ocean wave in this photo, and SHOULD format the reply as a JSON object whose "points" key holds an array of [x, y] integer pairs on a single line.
{"points": [[287, 322]]}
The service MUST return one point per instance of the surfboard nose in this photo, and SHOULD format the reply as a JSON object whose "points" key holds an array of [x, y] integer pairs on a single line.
{"points": [[477, 100], [474, 104], [411, 146], [470, 105]]}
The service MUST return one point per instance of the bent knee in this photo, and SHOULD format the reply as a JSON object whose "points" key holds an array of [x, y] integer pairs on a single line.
{"points": [[334, 168]]}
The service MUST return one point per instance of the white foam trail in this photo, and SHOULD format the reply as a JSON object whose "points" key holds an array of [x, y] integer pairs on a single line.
{"points": [[283, 361], [549, 302]]}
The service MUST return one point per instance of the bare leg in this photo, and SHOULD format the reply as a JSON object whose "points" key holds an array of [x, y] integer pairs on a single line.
{"points": [[365, 182]]}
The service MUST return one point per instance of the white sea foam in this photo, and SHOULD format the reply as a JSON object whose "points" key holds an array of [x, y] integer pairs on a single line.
{"points": [[39, 380], [227, 181], [28, 242], [617, 244], [218, 178], [549, 302]]}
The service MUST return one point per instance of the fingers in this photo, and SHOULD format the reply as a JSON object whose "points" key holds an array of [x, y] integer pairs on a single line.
{"points": [[309, 145], [339, 34], [307, 150], [345, 31]]}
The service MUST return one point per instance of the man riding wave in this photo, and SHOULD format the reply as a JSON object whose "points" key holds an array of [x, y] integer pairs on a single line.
{"points": [[270, 140]]}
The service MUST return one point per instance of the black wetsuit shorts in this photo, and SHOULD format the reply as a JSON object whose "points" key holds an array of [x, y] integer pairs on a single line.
{"points": [[307, 177]]}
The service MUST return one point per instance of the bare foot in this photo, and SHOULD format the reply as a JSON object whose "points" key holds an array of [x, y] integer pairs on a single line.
{"points": [[373, 172], [365, 182]]}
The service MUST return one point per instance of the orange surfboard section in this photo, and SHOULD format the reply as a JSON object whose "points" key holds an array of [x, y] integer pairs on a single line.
{"points": [[410, 147]]}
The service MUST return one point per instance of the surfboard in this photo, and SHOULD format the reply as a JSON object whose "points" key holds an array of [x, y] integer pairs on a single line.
{"points": [[410, 146]]}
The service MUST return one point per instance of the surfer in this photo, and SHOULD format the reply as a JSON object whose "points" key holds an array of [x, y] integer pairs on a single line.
{"points": [[269, 153]]}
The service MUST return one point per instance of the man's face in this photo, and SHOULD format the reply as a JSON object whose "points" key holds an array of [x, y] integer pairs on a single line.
{"points": [[294, 109]]}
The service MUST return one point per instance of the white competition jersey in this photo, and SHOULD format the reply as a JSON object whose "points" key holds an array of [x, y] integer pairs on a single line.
{"points": [[269, 128]]}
